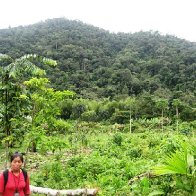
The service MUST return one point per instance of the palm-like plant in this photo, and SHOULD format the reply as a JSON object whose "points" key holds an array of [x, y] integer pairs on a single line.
{"points": [[180, 163]]}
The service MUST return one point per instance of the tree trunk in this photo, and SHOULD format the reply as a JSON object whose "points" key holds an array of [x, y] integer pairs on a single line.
{"points": [[177, 115], [130, 126], [48, 191], [162, 120], [34, 147]]}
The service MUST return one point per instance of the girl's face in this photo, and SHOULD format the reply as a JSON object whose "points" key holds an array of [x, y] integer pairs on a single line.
{"points": [[16, 164]]}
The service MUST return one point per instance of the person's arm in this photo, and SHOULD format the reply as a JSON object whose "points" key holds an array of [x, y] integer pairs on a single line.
{"points": [[27, 187], [1, 184]]}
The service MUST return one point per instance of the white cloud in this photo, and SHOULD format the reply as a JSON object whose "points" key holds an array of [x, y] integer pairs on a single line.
{"points": [[175, 17]]}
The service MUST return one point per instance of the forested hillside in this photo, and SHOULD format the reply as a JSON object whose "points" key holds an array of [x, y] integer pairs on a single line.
{"points": [[116, 114], [95, 63]]}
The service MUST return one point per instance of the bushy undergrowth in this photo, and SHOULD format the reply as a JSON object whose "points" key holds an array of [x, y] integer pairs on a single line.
{"points": [[110, 158], [108, 161]]}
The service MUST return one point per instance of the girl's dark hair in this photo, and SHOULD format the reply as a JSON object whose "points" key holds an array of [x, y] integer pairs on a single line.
{"points": [[15, 155]]}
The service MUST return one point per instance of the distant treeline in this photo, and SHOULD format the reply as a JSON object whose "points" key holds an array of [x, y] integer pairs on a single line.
{"points": [[97, 64]]}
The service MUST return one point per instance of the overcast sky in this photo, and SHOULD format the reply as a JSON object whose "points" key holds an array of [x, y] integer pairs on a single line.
{"points": [[174, 17]]}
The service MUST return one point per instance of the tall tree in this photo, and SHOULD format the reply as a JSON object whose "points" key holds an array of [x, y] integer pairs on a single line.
{"points": [[12, 88], [45, 103], [162, 104], [176, 103]]}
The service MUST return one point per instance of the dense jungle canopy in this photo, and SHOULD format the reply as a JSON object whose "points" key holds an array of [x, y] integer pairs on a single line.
{"points": [[95, 63]]}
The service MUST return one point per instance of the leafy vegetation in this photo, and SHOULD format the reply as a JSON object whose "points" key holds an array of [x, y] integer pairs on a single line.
{"points": [[117, 113], [111, 159], [95, 63]]}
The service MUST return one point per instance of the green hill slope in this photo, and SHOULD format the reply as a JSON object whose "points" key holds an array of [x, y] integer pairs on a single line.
{"points": [[95, 63]]}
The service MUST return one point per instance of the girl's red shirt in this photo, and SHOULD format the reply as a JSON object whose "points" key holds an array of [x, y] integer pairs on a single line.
{"points": [[13, 183]]}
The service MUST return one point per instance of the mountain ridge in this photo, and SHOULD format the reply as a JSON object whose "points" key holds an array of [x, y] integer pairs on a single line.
{"points": [[96, 63]]}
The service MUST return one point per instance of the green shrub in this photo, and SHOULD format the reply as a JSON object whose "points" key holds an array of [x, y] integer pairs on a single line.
{"points": [[117, 139], [134, 152]]}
